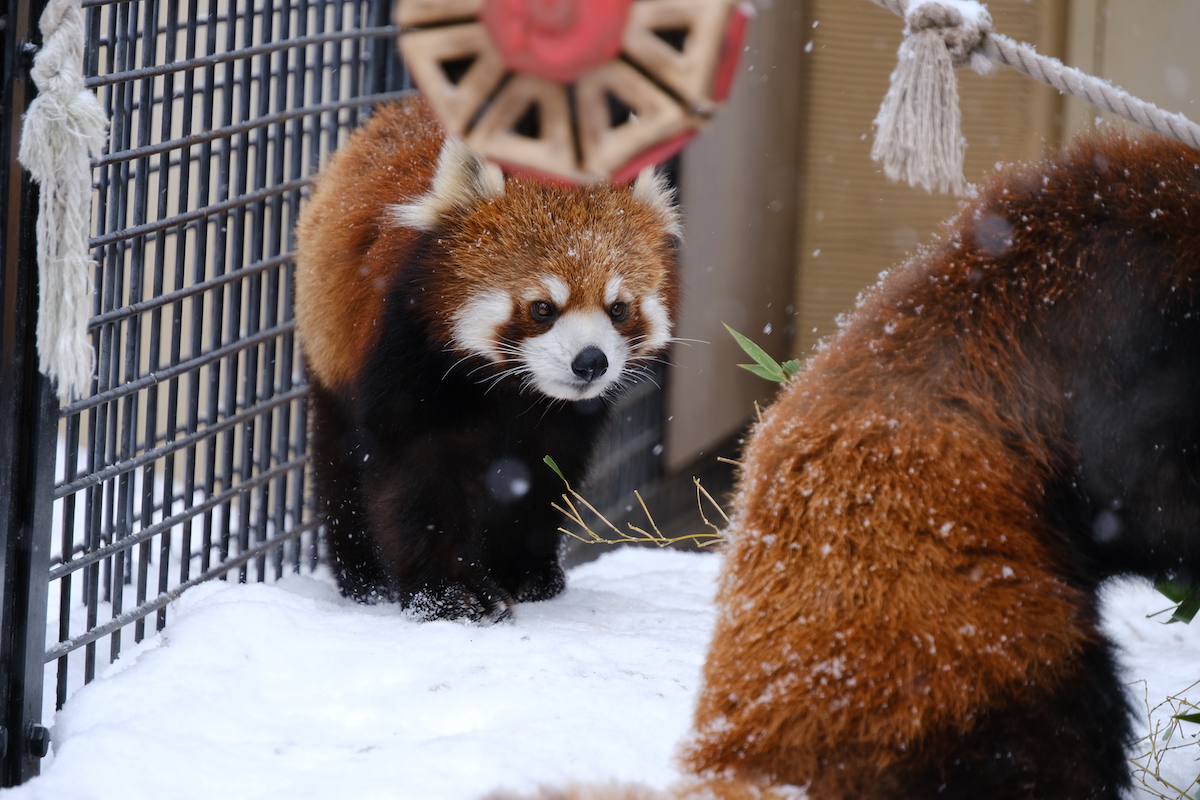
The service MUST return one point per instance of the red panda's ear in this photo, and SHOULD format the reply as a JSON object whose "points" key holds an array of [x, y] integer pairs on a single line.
{"points": [[652, 189], [463, 178]]}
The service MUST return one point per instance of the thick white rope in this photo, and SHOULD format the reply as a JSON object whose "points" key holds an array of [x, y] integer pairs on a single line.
{"points": [[1053, 72], [918, 136], [64, 127]]}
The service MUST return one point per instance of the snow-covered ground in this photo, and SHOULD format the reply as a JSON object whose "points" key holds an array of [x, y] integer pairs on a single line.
{"points": [[289, 691]]}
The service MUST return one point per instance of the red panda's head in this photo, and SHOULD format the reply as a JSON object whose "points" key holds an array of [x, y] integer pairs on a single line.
{"points": [[567, 288]]}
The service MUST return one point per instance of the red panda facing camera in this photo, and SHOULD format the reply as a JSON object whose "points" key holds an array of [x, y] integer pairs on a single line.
{"points": [[457, 328], [926, 515]]}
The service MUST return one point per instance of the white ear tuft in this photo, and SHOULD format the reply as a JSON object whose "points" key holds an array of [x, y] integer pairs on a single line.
{"points": [[652, 189], [463, 178]]}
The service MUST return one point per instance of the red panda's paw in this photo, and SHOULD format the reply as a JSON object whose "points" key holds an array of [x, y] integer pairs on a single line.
{"points": [[541, 584], [484, 602]]}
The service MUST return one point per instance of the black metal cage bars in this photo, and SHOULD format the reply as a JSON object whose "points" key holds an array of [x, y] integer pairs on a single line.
{"points": [[186, 460]]}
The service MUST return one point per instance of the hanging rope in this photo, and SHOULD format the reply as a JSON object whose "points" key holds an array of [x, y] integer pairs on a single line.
{"points": [[64, 127], [918, 137]]}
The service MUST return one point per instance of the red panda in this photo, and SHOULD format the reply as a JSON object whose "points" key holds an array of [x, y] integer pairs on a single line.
{"points": [[923, 519], [457, 328]]}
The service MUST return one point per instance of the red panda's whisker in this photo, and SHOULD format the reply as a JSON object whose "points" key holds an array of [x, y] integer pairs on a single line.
{"points": [[493, 380], [455, 364]]}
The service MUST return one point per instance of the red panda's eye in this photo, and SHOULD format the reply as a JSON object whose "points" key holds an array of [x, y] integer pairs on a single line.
{"points": [[618, 311], [543, 310]]}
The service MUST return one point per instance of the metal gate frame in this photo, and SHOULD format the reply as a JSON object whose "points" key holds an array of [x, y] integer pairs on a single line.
{"points": [[28, 419]]}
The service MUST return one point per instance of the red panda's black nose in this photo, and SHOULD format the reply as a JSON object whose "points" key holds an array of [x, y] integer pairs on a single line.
{"points": [[590, 364]]}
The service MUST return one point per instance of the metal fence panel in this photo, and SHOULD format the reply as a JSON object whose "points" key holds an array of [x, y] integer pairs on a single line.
{"points": [[187, 460]]}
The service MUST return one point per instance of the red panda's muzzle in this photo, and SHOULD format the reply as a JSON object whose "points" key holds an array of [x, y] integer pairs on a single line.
{"points": [[580, 357]]}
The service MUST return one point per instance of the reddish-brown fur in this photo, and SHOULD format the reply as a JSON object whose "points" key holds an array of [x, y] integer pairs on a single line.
{"points": [[349, 247], [337, 295], [907, 607]]}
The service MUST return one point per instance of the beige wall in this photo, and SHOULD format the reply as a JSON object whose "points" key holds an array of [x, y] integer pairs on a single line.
{"points": [[739, 189], [853, 222], [1147, 47]]}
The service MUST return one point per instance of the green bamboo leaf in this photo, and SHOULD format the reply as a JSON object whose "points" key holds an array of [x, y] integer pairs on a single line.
{"points": [[1188, 609], [1173, 590], [767, 367], [770, 374], [754, 351], [550, 463], [1186, 595], [1188, 717]]}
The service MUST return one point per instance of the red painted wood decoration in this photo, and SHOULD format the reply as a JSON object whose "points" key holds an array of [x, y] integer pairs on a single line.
{"points": [[574, 90]]}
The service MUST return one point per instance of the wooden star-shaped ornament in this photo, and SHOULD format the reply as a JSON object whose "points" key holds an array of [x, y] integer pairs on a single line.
{"points": [[573, 90]]}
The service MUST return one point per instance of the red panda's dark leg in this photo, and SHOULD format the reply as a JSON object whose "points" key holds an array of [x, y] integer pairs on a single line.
{"points": [[1066, 743], [352, 551], [521, 529], [543, 579], [421, 504], [522, 548]]}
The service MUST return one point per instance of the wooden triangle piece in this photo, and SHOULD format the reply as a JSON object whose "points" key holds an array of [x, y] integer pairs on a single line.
{"points": [[656, 116], [627, 110], [428, 51], [687, 72], [409, 13], [553, 149]]}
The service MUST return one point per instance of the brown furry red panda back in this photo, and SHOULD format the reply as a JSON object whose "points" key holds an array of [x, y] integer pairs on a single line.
{"points": [[908, 607], [908, 602]]}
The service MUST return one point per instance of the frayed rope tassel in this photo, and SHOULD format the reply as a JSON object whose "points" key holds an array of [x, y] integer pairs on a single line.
{"points": [[64, 127], [918, 136]]}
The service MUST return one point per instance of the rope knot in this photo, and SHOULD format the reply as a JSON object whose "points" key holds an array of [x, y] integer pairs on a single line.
{"points": [[64, 126], [961, 26], [917, 132]]}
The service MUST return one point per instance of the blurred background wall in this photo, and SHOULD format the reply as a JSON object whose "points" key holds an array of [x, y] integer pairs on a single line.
{"points": [[787, 216]]}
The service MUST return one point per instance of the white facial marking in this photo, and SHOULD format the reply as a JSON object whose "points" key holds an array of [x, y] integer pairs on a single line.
{"points": [[660, 323], [612, 290], [559, 291], [475, 323], [549, 356]]}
